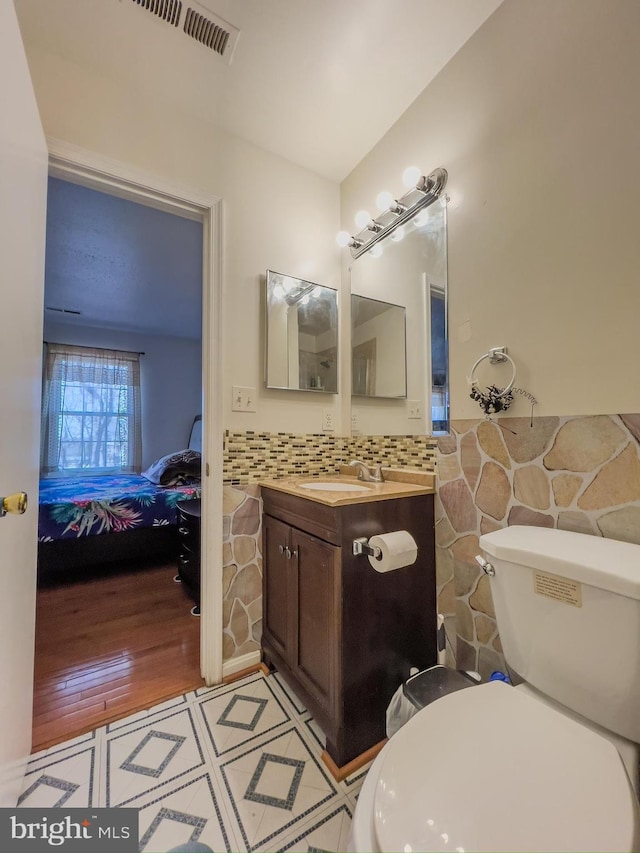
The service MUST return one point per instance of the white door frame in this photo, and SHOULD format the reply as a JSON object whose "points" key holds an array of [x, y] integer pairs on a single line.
{"points": [[88, 169]]}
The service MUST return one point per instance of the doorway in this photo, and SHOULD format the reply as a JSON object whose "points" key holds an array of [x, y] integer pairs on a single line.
{"points": [[86, 169]]}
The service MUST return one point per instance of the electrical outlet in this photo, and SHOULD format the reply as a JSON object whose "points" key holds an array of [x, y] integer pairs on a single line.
{"points": [[327, 421], [244, 399], [355, 422], [415, 409]]}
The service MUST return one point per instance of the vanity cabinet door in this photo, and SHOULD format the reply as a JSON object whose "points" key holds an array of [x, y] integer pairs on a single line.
{"points": [[279, 600], [318, 637]]}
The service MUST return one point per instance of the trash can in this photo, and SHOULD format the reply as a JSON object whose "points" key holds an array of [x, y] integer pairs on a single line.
{"points": [[420, 690]]}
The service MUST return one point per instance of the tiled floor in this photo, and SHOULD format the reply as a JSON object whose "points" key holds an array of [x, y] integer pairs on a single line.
{"points": [[235, 767]]}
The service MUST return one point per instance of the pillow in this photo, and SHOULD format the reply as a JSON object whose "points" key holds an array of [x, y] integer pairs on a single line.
{"points": [[175, 469]]}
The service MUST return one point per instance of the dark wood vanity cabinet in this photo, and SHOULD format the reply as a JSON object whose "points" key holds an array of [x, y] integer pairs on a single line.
{"points": [[343, 635], [301, 598]]}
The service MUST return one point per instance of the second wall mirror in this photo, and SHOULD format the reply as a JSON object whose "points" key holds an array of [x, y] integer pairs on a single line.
{"points": [[302, 335], [378, 348], [410, 266]]}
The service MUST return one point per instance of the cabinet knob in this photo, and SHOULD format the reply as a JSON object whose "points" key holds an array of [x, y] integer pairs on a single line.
{"points": [[281, 549], [184, 531], [287, 552]]}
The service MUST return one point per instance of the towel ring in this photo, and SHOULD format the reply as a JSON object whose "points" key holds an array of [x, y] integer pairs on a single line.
{"points": [[496, 355], [493, 399]]}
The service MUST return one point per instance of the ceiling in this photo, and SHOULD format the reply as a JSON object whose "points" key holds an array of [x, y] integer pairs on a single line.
{"points": [[116, 264], [300, 71]]}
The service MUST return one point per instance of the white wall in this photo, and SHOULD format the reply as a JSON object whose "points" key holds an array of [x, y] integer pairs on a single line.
{"points": [[537, 120], [276, 215], [170, 379]]}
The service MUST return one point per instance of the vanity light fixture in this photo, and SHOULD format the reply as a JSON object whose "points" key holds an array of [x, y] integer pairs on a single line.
{"points": [[298, 293], [423, 191], [344, 239]]}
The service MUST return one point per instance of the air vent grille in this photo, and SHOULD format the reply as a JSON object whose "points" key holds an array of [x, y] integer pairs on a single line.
{"points": [[197, 22], [166, 10], [216, 35], [62, 310]]}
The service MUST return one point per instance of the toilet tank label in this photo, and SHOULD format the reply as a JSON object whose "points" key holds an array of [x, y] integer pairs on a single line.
{"points": [[559, 588]]}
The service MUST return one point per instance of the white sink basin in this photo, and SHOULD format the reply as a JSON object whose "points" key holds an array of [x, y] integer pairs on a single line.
{"points": [[334, 487]]}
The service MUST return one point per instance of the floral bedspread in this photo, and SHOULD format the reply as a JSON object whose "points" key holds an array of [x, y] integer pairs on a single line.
{"points": [[87, 506]]}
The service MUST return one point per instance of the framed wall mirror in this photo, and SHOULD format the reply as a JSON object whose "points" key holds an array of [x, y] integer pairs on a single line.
{"points": [[411, 266], [378, 348], [301, 335]]}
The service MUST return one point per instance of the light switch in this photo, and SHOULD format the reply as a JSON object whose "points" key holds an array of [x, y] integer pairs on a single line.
{"points": [[415, 409], [244, 399]]}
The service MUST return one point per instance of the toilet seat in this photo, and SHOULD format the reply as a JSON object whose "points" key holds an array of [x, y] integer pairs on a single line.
{"points": [[493, 769]]}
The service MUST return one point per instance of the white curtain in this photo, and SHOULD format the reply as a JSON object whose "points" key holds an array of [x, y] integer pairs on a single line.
{"points": [[90, 411]]}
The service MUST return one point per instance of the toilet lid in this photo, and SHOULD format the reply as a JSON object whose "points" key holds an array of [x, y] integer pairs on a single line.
{"points": [[491, 769]]}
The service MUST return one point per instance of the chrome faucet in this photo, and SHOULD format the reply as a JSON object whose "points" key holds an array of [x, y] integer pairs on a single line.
{"points": [[369, 473]]}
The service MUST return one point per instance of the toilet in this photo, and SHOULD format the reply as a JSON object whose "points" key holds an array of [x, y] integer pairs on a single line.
{"points": [[550, 764]]}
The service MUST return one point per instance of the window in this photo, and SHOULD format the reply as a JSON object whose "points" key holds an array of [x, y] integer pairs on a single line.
{"points": [[90, 411]]}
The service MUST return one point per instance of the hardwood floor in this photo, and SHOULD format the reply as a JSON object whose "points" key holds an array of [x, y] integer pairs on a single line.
{"points": [[108, 647]]}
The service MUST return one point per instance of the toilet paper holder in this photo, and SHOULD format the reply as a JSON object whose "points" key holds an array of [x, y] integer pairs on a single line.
{"points": [[361, 546]]}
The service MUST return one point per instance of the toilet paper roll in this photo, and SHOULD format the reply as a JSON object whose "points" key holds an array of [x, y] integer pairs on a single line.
{"points": [[397, 549]]}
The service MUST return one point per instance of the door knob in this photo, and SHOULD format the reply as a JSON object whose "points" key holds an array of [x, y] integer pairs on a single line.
{"points": [[15, 504]]}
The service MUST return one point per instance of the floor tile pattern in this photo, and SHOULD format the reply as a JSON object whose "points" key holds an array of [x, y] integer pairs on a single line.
{"points": [[235, 768]]}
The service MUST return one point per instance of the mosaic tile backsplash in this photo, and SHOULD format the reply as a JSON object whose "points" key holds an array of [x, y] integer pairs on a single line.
{"points": [[252, 456], [573, 473]]}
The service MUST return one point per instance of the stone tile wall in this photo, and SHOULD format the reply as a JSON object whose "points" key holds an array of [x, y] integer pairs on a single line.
{"points": [[250, 456], [242, 570], [574, 473]]}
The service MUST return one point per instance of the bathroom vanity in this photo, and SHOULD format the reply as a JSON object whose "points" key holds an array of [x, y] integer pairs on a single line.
{"points": [[342, 634]]}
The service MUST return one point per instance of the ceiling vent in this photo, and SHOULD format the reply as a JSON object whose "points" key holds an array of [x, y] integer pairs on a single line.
{"points": [[211, 31], [63, 310], [166, 10], [198, 22]]}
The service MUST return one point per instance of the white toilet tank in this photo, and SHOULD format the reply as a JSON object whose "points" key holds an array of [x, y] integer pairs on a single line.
{"points": [[568, 612]]}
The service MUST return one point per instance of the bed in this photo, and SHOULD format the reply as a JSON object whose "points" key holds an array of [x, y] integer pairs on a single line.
{"points": [[85, 522]]}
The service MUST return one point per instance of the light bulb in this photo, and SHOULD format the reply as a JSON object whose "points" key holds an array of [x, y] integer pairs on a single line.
{"points": [[384, 200], [316, 292], [421, 219], [305, 299], [363, 218], [288, 283], [375, 251], [411, 176], [398, 234], [343, 238], [278, 291]]}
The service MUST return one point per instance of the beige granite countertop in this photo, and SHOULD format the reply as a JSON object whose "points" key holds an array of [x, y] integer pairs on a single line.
{"points": [[398, 483]]}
